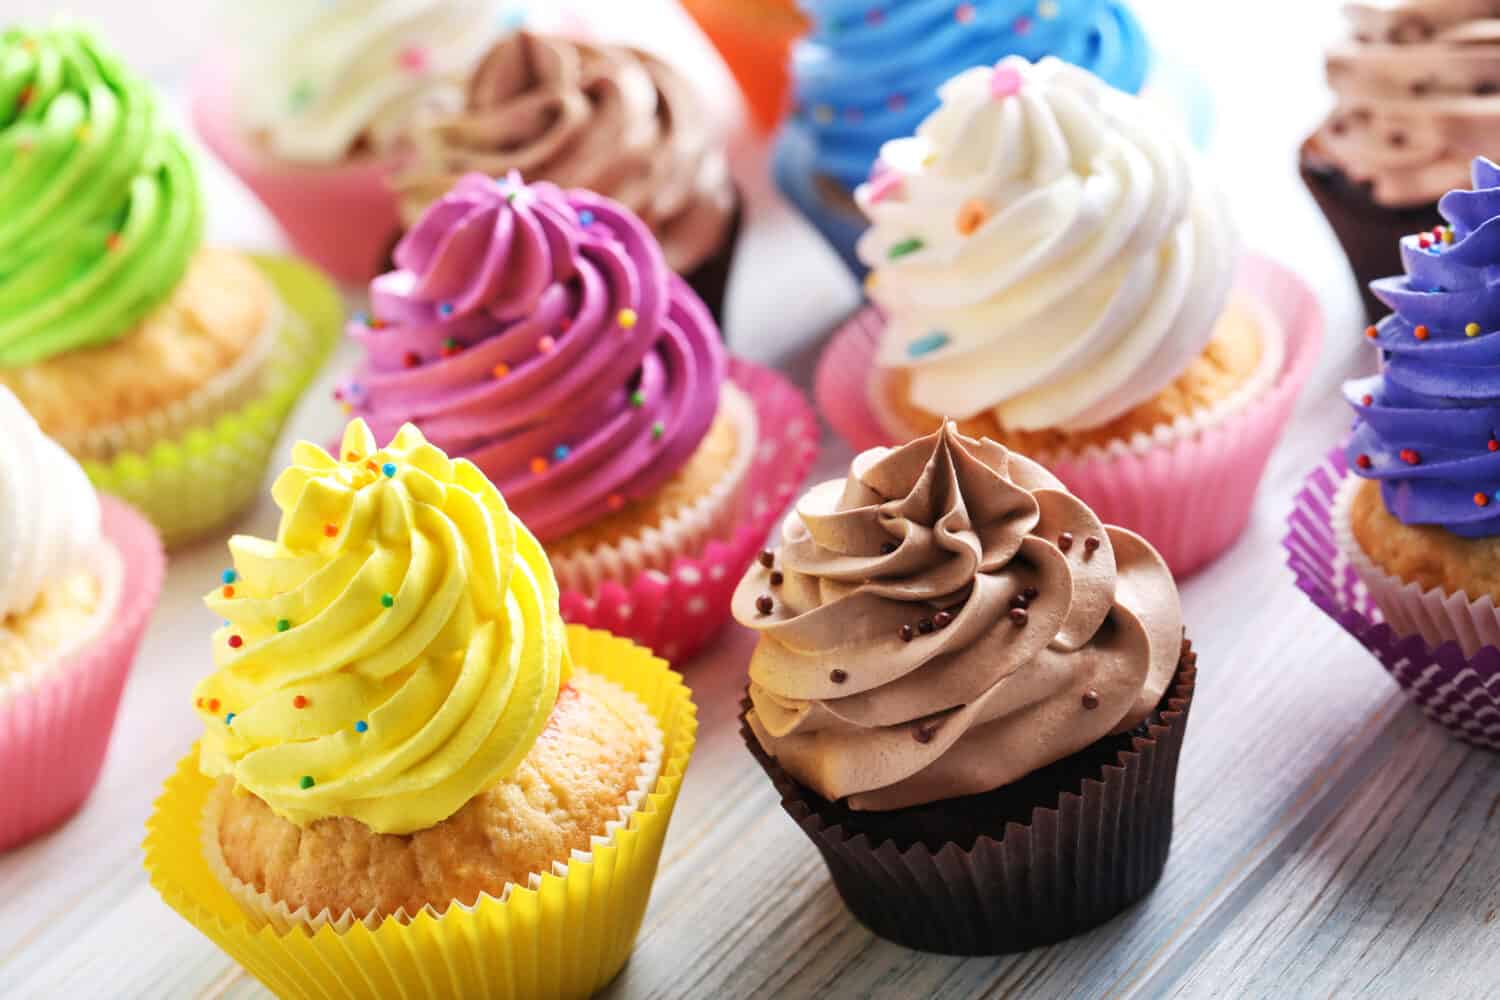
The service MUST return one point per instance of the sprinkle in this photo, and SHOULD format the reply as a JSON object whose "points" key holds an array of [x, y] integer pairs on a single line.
{"points": [[361, 726], [546, 345], [637, 399], [886, 548], [346, 408], [838, 676], [615, 501], [767, 558], [585, 218], [1371, 332], [213, 704], [25, 96], [235, 642], [923, 734], [450, 347], [1421, 332], [112, 241], [1494, 445], [657, 430], [626, 318], [1424, 241], [376, 323], [1366, 400], [1363, 461], [561, 452], [964, 13], [1005, 82], [538, 465], [1091, 699], [1019, 616], [896, 102], [197, 702], [882, 187], [282, 624], [1020, 601], [764, 604], [229, 718], [445, 309], [1090, 544], [413, 58], [942, 619], [1031, 594], [387, 601], [500, 370], [363, 319], [1021, 25], [907, 246], [565, 323], [229, 576], [1448, 234], [306, 782], [972, 215], [907, 633], [925, 626], [389, 469], [301, 95], [1480, 500], [1472, 330], [352, 456], [1065, 540], [935, 341], [1047, 9], [1410, 456], [300, 701], [874, 15], [777, 579], [411, 360], [331, 530], [823, 114], [228, 592]]}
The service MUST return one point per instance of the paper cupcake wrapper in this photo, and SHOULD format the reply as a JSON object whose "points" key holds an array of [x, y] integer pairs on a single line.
{"points": [[55, 730], [1086, 853], [343, 216], [675, 610], [1440, 649], [1191, 494], [192, 484], [566, 938]]}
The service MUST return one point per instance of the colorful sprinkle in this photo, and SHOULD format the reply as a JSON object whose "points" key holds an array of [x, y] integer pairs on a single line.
{"points": [[1421, 332], [1047, 9], [972, 215], [1021, 25], [638, 399], [615, 501], [306, 782], [25, 96], [1411, 456], [301, 95], [538, 465], [300, 701], [235, 642], [906, 246], [1005, 81], [500, 371], [896, 102], [627, 318], [1494, 444], [561, 452], [964, 13], [823, 114], [585, 218], [361, 726], [363, 319], [411, 360], [546, 345], [213, 704], [450, 347], [1366, 400], [1472, 330], [1363, 461], [1448, 234], [389, 469], [1371, 332], [331, 530], [387, 601], [1480, 500], [926, 345], [229, 576], [112, 241], [657, 430], [283, 624], [229, 718], [881, 187], [413, 58], [445, 309], [228, 592]]}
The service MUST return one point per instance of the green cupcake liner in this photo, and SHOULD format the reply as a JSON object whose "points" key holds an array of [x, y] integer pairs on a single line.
{"points": [[193, 484]]}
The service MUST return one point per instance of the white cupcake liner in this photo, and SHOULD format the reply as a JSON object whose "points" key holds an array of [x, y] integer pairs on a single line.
{"points": [[1435, 614], [261, 906], [682, 534]]}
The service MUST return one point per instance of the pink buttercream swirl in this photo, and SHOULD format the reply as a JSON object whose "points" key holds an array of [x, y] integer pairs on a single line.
{"points": [[540, 334]]}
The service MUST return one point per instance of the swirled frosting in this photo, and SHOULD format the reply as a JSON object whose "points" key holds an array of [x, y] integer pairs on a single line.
{"points": [[1044, 248], [49, 513], [395, 650], [947, 619], [870, 71], [1428, 425], [539, 333], [1417, 89], [319, 82], [99, 205], [607, 118]]}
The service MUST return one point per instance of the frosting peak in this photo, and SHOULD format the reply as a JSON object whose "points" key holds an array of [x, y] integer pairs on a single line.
{"points": [[1044, 248], [947, 619], [396, 649], [1427, 426], [540, 333], [49, 513]]}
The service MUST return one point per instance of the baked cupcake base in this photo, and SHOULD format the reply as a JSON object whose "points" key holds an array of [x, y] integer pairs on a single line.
{"points": [[1441, 648], [1046, 858]]}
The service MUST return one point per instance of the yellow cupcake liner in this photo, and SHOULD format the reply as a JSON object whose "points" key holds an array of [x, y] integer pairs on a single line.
{"points": [[192, 484], [566, 937]]}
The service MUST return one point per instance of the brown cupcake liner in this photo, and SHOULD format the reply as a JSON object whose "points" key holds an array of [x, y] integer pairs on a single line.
{"points": [[1062, 851], [1369, 233]]}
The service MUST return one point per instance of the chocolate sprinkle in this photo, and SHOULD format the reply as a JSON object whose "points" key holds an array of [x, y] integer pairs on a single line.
{"points": [[776, 578], [925, 626], [1020, 601], [838, 676], [888, 547], [1031, 594], [922, 734], [942, 619], [764, 604], [1065, 540], [767, 558], [1019, 616], [1091, 699], [1090, 545], [908, 633]]}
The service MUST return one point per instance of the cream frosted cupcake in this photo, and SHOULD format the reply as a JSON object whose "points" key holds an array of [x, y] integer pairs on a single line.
{"points": [[395, 693], [309, 101], [77, 583], [1053, 268]]}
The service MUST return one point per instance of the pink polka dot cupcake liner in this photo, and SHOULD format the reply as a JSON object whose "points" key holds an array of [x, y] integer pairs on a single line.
{"points": [[677, 608], [55, 729], [1441, 649], [1190, 489]]}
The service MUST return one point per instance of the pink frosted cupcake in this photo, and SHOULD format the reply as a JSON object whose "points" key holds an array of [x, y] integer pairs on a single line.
{"points": [[540, 334], [78, 579], [1053, 268], [306, 109]]}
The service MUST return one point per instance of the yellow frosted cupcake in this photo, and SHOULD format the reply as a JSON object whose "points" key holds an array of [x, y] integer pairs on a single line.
{"points": [[401, 736]]}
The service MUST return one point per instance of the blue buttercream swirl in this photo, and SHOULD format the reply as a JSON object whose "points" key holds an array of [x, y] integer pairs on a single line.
{"points": [[1427, 425], [869, 71]]}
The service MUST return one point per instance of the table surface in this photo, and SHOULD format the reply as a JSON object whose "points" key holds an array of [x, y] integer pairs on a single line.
{"points": [[1328, 841]]}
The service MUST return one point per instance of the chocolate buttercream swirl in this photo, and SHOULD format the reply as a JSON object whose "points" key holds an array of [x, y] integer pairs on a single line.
{"points": [[1417, 84], [606, 118], [946, 620]]}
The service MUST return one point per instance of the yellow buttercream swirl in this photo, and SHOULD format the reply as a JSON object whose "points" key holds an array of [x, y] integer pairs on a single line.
{"points": [[397, 649]]}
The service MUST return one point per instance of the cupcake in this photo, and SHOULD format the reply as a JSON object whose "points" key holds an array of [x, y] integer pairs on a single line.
{"points": [[755, 38], [608, 118], [395, 695], [968, 689], [78, 579], [103, 276], [1053, 268], [540, 334], [870, 72], [306, 107], [1417, 93]]}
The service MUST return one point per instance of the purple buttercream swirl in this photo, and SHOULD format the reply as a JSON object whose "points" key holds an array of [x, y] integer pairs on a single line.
{"points": [[1427, 425], [540, 334]]}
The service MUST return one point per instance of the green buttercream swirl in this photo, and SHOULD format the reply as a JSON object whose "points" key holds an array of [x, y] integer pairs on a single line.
{"points": [[99, 206]]}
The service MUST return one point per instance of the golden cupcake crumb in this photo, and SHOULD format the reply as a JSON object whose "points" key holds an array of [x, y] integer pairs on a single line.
{"points": [[63, 615], [1424, 554]]}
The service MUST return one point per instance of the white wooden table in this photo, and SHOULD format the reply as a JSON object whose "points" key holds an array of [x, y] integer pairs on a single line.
{"points": [[1329, 841]]}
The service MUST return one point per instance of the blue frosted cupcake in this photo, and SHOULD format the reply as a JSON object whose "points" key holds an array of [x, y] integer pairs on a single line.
{"points": [[869, 72]]}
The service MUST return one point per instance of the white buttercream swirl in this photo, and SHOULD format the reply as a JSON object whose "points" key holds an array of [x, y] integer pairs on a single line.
{"points": [[315, 80], [49, 513], [1045, 247]]}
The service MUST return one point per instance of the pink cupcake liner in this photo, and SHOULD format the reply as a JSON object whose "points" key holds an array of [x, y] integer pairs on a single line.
{"points": [[55, 731], [675, 613], [1190, 496], [341, 216], [1458, 691]]}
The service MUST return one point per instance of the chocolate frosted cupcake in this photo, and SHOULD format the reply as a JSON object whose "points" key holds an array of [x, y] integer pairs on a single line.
{"points": [[971, 695], [608, 118], [1417, 88]]}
